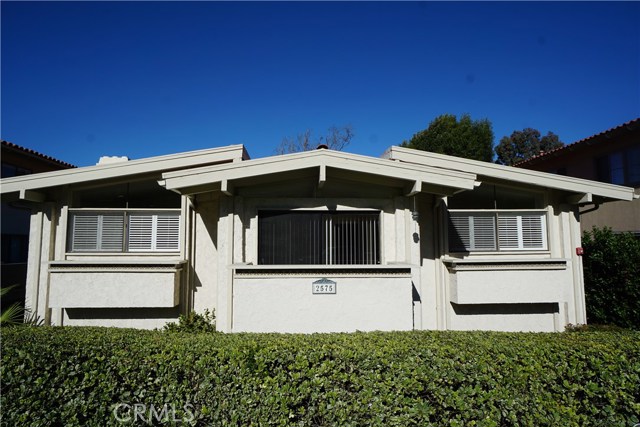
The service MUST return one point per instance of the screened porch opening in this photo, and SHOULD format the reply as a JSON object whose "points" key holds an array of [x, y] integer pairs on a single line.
{"points": [[318, 238]]}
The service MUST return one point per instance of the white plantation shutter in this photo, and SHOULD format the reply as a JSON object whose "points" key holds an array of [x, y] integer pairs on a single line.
{"points": [[168, 232], [508, 232], [84, 232], [459, 235], [141, 232], [111, 232], [534, 232], [484, 233], [97, 232]]}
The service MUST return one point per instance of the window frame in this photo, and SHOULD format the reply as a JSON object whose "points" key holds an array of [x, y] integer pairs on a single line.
{"points": [[126, 215], [495, 213]]}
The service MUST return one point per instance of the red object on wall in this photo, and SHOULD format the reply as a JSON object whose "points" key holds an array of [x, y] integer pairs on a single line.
{"points": [[579, 251]]}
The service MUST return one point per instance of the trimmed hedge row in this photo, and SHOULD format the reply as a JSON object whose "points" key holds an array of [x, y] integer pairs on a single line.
{"points": [[102, 376], [612, 277]]}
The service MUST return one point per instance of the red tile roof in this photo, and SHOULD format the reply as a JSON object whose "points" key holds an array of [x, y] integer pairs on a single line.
{"points": [[630, 125], [16, 147]]}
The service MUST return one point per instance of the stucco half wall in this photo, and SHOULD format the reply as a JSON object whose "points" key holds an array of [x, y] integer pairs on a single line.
{"points": [[284, 301]]}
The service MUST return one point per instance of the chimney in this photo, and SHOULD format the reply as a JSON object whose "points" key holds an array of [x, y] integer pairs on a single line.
{"points": [[107, 160]]}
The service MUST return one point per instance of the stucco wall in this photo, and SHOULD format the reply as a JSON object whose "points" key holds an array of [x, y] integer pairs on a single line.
{"points": [[287, 304], [518, 284], [95, 288], [527, 296]]}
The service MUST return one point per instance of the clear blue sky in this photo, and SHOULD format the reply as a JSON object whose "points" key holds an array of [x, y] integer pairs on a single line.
{"points": [[85, 79]]}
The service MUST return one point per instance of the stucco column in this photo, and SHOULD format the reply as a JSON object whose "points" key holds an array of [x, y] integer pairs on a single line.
{"points": [[33, 261], [578, 273], [224, 315]]}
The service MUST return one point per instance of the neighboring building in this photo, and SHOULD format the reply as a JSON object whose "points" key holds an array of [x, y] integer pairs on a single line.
{"points": [[17, 161], [318, 241], [611, 156]]}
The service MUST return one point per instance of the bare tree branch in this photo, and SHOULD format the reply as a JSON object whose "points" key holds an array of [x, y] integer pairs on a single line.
{"points": [[337, 138]]}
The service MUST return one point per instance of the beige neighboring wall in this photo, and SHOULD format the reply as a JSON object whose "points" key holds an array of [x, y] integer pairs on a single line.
{"points": [[619, 216]]}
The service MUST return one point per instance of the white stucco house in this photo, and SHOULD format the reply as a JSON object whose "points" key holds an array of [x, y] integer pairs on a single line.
{"points": [[318, 241]]}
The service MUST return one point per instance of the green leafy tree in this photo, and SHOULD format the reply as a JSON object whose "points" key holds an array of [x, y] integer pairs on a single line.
{"points": [[472, 139], [524, 144], [336, 138], [611, 265]]}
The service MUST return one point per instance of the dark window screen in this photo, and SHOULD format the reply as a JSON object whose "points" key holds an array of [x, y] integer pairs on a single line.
{"points": [[303, 237]]}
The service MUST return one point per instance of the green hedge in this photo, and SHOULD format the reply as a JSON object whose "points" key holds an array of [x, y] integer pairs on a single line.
{"points": [[80, 376], [612, 277]]}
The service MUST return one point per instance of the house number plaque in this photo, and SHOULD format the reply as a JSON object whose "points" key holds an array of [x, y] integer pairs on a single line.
{"points": [[323, 286]]}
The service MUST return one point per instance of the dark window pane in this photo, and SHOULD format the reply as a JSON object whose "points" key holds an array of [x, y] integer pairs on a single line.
{"points": [[482, 197], [633, 166], [603, 173], [617, 168], [489, 196], [15, 248], [9, 170]]}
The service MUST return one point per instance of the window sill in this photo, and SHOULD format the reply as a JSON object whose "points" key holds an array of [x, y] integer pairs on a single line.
{"points": [[117, 256], [501, 254], [455, 264], [321, 270], [99, 265]]}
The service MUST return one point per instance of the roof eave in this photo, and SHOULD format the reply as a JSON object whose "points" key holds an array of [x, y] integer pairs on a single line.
{"points": [[524, 176], [148, 165]]}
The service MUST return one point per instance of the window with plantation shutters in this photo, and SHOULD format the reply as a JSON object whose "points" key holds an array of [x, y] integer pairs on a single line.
{"points": [[497, 231], [124, 231]]}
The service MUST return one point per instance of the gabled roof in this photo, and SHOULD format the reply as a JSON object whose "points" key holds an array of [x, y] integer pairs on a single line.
{"points": [[632, 125], [508, 173], [28, 151], [218, 168], [128, 168], [191, 181]]}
